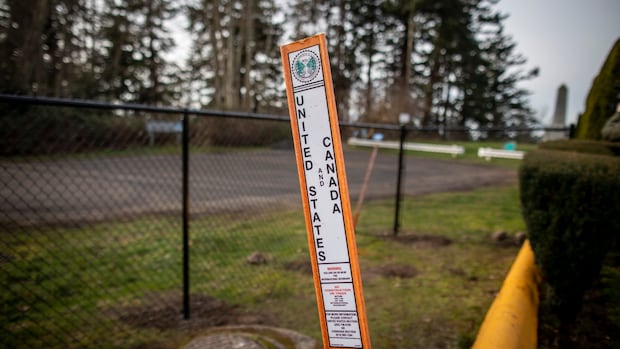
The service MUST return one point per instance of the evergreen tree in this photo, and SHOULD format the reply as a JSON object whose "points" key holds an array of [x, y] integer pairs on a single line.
{"points": [[458, 68], [266, 66], [339, 19], [156, 40], [234, 54], [401, 27], [491, 97], [448, 61], [367, 25], [134, 38], [38, 46]]}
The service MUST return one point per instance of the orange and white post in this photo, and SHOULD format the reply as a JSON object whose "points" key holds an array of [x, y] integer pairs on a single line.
{"points": [[324, 193]]}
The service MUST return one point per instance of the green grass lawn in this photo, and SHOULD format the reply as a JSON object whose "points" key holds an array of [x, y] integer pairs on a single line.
{"points": [[68, 285]]}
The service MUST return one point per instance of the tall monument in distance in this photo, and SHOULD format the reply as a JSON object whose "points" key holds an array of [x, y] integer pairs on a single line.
{"points": [[559, 115]]}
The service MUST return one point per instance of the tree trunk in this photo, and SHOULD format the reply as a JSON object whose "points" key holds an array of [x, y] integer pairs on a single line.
{"points": [[246, 101], [404, 99], [213, 26], [430, 87], [229, 56]]}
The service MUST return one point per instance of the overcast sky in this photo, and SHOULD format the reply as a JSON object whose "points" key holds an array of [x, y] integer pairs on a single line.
{"points": [[568, 40]]}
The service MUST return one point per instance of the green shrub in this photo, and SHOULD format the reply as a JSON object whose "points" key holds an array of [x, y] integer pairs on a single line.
{"points": [[571, 206], [242, 132], [602, 98], [40, 130], [583, 146]]}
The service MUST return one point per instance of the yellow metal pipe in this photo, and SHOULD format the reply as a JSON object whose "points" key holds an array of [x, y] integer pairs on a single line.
{"points": [[512, 320]]}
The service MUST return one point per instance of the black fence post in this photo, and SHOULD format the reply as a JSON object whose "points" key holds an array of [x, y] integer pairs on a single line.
{"points": [[185, 154], [401, 151]]}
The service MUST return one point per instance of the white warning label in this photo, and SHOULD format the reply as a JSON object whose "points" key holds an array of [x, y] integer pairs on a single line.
{"points": [[337, 272], [344, 329]]}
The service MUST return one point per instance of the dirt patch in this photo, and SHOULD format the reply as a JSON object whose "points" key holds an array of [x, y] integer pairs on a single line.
{"points": [[597, 325], [419, 240], [402, 271], [164, 312], [591, 329], [301, 265]]}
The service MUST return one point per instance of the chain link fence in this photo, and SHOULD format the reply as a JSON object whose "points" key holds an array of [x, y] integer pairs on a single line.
{"points": [[116, 233], [93, 220]]}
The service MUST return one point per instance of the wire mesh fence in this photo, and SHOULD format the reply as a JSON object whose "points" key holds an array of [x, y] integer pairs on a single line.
{"points": [[92, 222]]}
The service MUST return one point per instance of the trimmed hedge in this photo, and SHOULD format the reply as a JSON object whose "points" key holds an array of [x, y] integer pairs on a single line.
{"points": [[583, 146], [571, 206]]}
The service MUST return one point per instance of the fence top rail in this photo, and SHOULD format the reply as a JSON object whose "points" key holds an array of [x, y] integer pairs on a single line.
{"points": [[81, 103]]}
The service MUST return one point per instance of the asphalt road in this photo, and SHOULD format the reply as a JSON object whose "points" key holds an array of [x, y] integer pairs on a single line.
{"points": [[96, 189]]}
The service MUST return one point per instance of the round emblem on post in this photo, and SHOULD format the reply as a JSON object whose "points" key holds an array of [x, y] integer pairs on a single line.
{"points": [[306, 66]]}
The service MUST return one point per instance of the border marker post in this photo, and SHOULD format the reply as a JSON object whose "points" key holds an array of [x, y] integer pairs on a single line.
{"points": [[324, 193]]}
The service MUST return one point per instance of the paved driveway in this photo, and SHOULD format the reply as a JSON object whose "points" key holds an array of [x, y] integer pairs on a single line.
{"points": [[95, 189]]}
